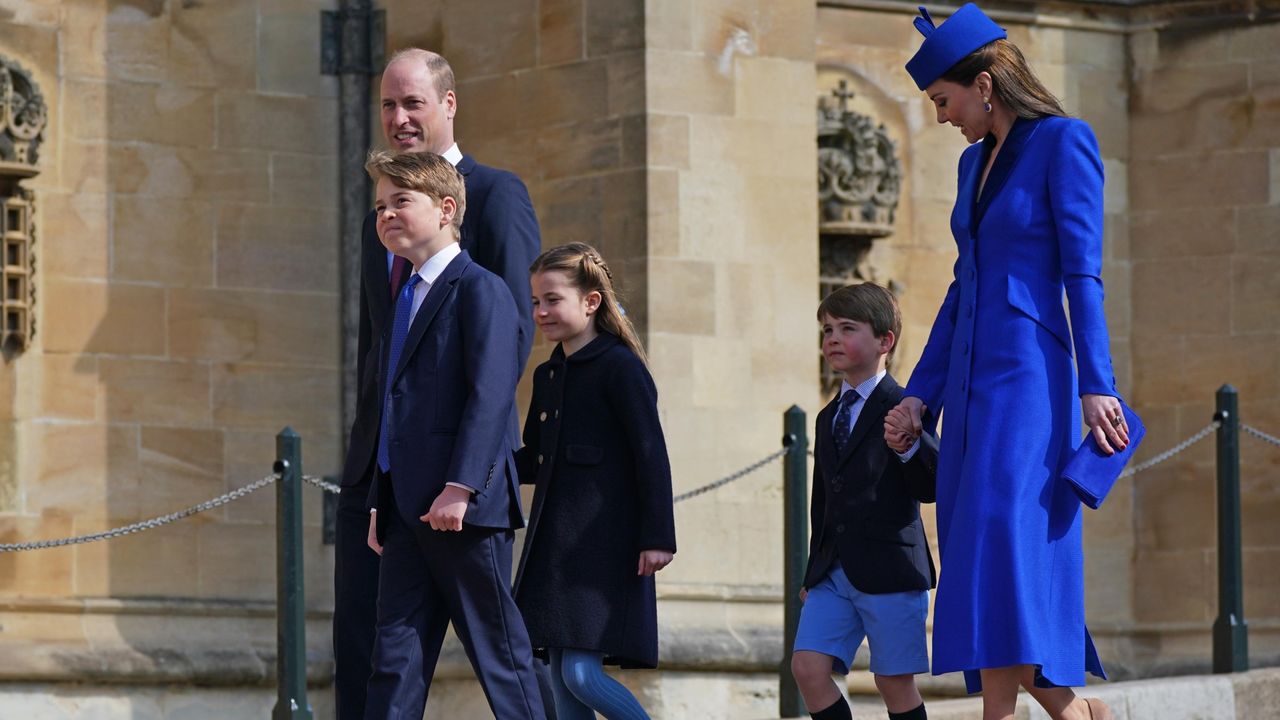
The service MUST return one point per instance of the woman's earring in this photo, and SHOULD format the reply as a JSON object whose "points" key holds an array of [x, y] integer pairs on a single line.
{"points": [[986, 104]]}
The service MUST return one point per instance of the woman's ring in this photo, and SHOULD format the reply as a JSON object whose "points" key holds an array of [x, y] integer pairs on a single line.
{"points": [[1115, 421]]}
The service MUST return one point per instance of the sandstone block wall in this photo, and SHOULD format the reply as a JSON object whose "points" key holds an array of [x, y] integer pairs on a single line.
{"points": [[187, 296]]}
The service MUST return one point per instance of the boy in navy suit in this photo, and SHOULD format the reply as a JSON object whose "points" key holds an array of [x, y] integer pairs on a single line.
{"points": [[870, 569], [445, 498]]}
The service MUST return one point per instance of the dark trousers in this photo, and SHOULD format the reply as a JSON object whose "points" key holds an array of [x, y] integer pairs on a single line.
{"points": [[428, 578], [355, 583]]}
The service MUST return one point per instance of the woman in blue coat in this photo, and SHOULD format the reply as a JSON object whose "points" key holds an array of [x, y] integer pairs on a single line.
{"points": [[1028, 224]]}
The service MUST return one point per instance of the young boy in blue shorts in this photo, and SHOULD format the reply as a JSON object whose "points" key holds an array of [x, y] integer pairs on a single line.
{"points": [[870, 569]]}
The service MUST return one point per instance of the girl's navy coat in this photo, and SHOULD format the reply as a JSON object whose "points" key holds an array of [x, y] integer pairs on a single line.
{"points": [[595, 450]]}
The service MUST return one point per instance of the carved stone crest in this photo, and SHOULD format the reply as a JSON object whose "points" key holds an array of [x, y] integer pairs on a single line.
{"points": [[23, 116], [859, 176]]}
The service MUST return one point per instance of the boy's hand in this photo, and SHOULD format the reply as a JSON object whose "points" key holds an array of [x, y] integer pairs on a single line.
{"points": [[373, 533], [905, 418], [897, 441], [651, 561], [447, 510]]}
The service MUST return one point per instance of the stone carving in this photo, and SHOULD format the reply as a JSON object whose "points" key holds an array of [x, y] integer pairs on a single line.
{"points": [[23, 116], [859, 176]]}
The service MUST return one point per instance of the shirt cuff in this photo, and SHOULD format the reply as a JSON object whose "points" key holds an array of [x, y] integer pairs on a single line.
{"points": [[470, 491], [910, 453]]}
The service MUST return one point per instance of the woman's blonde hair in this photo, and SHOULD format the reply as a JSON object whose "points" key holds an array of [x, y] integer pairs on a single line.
{"points": [[587, 272], [1011, 78]]}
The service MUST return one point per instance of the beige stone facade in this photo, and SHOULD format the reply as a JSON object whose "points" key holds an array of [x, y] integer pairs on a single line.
{"points": [[187, 276]]}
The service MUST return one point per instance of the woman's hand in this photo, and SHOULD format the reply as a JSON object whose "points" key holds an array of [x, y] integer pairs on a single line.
{"points": [[905, 419], [651, 561], [1106, 422]]}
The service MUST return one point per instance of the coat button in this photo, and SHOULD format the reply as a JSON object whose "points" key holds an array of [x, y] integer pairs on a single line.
{"points": [[964, 348], [539, 458], [837, 487], [557, 415], [840, 528], [553, 374], [543, 416]]}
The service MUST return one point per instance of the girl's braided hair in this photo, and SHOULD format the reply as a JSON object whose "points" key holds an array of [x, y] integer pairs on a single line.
{"points": [[587, 271]]}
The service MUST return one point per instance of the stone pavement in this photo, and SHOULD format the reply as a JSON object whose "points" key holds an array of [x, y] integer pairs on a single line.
{"points": [[1254, 695]]}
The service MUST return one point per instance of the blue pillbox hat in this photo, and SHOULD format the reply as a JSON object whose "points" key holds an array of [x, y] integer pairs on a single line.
{"points": [[949, 43]]}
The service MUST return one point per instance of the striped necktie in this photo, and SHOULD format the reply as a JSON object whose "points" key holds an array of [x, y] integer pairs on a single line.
{"points": [[844, 419]]}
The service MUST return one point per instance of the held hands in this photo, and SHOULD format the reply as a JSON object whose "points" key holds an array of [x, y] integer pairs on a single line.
{"points": [[374, 545], [651, 561], [447, 510], [1106, 422], [903, 424]]}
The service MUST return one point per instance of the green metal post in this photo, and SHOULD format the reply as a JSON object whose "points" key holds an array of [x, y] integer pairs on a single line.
{"points": [[291, 635], [1230, 632], [795, 524]]}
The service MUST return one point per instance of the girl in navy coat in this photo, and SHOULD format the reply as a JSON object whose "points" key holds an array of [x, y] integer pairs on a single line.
{"points": [[601, 523], [1028, 225]]}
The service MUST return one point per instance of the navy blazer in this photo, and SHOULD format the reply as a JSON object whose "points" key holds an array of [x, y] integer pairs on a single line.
{"points": [[500, 231], [451, 410], [866, 502]]}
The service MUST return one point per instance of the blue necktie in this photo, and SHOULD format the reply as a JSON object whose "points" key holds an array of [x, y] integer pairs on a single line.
{"points": [[399, 333], [844, 417]]}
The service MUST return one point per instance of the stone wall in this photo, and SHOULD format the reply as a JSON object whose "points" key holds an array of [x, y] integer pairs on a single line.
{"points": [[187, 296], [1205, 249]]}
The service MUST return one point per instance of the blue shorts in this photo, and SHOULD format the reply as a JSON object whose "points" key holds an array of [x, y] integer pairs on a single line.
{"points": [[836, 616]]}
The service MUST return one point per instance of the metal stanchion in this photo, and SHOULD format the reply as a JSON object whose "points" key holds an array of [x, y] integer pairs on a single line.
{"points": [[1230, 632], [795, 491], [291, 636]]}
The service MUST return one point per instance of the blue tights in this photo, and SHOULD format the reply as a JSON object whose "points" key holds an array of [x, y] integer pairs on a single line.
{"points": [[581, 688]]}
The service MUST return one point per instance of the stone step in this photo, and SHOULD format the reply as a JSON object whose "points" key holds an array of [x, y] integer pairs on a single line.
{"points": [[1253, 695]]}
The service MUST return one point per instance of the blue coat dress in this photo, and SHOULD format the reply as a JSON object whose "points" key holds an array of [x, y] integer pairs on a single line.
{"points": [[998, 366]]}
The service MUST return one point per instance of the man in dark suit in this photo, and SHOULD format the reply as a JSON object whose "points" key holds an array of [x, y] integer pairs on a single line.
{"points": [[445, 486], [870, 569], [500, 233]]}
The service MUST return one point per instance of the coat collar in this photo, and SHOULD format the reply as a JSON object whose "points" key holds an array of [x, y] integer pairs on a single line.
{"points": [[466, 165], [591, 351], [1019, 134]]}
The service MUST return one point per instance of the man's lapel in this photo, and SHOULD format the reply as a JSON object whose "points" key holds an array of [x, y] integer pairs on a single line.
{"points": [[431, 304], [377, 278]]}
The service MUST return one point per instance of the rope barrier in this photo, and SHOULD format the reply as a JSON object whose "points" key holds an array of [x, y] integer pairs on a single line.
{"points": [[329, 487], [1259, 435], [148, 524], [1175, 450]]}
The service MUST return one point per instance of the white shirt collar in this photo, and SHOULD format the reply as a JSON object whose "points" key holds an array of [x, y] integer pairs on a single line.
{"points": [[453, 155], [436, 264], [865, 387]]}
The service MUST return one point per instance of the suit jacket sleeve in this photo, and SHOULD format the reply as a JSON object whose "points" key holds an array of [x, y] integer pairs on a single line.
{"points": [[818, 502], [921, 471], [634, 398], [1076, 199], [526, 468], [510, 243], [486, 316]]}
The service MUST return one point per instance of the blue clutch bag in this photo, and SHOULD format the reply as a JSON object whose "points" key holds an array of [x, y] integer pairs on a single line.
{"points": [[1091, 472]]}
